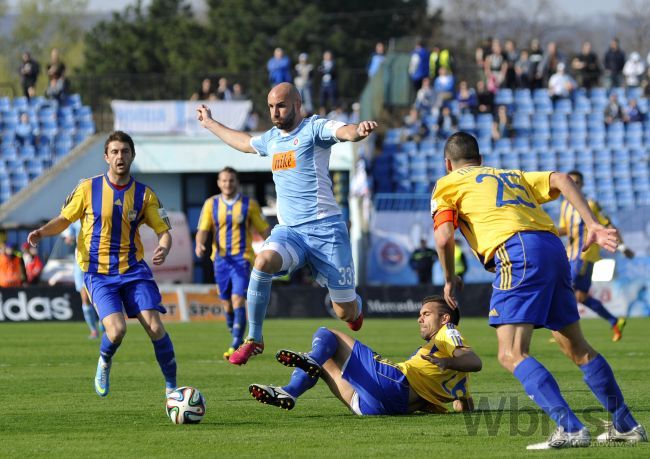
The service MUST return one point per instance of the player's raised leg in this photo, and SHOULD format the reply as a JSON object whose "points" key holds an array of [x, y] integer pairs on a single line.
{"points": [[540, 385], [599, 377], [115, 330], [162, 345]]}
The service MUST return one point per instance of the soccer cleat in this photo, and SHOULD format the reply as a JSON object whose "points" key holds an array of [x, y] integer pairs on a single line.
{"points": [[637, 434], [300, 360], [271, 395], [228, 353], [169, 390], [356, 324], [561, 439], [93, 335], [244, 352], [101, 377], [617, 329]]}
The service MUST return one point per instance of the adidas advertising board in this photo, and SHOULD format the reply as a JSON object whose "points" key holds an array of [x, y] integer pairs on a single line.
{"points": [[34, 304]]}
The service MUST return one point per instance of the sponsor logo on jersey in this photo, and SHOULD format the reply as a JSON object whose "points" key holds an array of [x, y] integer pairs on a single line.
{"points": [[131, 216], [283, 161]]}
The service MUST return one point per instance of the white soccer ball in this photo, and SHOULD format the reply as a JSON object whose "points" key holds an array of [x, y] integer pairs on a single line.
{"points": [[185, 405]]}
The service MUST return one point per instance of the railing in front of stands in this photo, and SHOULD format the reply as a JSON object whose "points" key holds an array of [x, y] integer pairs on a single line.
{"points": [[402, 202]]}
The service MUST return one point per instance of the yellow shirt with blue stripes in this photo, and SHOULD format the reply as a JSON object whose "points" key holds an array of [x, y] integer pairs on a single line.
{"points": [[491, 205], [109, 239], [576, 231], [433, 384], [231, 224]]}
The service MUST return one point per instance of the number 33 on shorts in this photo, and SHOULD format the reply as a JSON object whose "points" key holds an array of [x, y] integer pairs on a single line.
{"points": [[346, 276]]}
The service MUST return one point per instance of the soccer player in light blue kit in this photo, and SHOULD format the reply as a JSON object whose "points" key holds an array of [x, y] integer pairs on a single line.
{"points": [[311, 229]]}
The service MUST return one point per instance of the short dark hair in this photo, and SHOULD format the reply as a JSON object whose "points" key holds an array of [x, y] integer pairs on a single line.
{"points": [[577, 173], [119, 136], [462, 146], [229, 170], [443, 306]]}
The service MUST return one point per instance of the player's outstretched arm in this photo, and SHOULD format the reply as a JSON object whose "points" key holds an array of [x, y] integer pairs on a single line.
{"points": [[355, 132], [464, 359], [236, 139], [164, 246], [55, 226], [607, 238]]}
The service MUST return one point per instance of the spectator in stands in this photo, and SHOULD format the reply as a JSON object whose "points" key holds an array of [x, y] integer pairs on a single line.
{"points": [[302, 82], [560, 85], [238, 92], [522, 70], [443, 87], [633, 70], [12, 268], [440, 58], [206, 92], [425, 98], [447, 122], [29, 70], [633, 113], [586, 67], [419, 64], [415, 126], [328, 82], [338, 114], [549, 63], [512, 56], [57, 88], [484, 97], [355, 114], [223, 91], [495, 67], [421, 261], [279, 68], [535, 57], [614, 62], [376, 59], [466, 98], [33, 264], [25, 132], [613, 110], [55, 65], [482, 51], [645, 83], [502, 125]]}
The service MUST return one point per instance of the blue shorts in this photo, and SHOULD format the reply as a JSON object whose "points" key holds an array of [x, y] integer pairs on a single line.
{"points": [[381, 387], [324, 245], [78, 277], [131, 292], [533, 283], [231, 275], [581, 272]]}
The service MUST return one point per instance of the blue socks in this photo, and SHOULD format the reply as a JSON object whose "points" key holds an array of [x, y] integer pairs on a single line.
{"points": [[596, 306], [107, 348], [230, 320], [90, 317], [238, 327], [164, 350], [324, 345], [599, 377], [259, 294], [542, 388]]}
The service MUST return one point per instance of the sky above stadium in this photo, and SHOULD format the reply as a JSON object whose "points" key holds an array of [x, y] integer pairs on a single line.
{"points": [[574, 7]]}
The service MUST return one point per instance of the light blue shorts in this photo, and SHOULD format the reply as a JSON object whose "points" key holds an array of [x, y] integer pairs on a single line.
{"points": [[78, 277], [323, 245]]}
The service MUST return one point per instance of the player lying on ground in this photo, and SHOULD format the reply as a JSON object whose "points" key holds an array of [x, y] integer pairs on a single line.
{"points": [[435, 375], [311, 230], [499, 213], [111, 207]]}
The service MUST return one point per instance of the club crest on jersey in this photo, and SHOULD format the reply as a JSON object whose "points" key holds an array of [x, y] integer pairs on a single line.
{"points": [[296, 141], [132, 215], [283, 161], [240, 219]]}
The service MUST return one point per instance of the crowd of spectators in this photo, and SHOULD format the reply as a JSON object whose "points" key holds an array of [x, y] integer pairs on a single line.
{"points": [[18, 268], [58, 86]]}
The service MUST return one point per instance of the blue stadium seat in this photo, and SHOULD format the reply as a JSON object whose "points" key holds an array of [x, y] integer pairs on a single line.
{"points": [[582, 105], [521, 143], [466, 122], [578, 141], [522, 94], [504, 96], [563, 106], [543, 106], [602, 170]]}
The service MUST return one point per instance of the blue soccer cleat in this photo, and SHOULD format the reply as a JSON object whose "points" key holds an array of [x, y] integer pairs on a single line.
{"points": [[101, 377]]}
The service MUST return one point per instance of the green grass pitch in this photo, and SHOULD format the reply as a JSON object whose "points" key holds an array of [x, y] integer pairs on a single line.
{"points": [[50, 408]]}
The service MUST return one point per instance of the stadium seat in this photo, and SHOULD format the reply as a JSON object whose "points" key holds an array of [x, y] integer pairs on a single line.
{"points": [[504, 96], [563, 106]]}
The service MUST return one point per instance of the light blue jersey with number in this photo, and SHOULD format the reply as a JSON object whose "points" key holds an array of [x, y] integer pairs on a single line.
{"points": [[301, 169]]}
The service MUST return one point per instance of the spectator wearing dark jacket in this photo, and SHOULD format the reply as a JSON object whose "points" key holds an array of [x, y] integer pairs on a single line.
{"points": [[614, 62]]}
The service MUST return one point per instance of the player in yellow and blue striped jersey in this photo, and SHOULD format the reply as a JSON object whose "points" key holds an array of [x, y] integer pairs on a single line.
{"points": [[111, 208], [499, 213], [231, 217], [582, 261], [434, 376]]}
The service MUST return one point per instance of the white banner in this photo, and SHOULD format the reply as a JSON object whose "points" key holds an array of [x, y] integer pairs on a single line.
{"points": [[176, 116]]}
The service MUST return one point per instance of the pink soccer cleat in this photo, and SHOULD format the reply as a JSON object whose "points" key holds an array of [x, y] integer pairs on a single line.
{"points": [[356, 324], [244, 352]]}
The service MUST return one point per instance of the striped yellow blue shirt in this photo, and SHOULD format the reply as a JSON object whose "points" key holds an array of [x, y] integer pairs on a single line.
{"points": [[428, 380], [571, 221], [231, 225], [109, 240]]}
